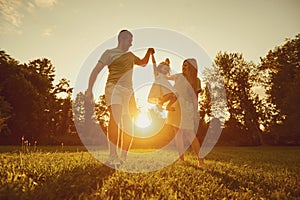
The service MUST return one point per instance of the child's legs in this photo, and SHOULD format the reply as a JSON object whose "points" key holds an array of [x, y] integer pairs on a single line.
{"points": [[171, 97]]}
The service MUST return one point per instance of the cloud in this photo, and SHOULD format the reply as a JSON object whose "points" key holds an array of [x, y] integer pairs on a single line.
{"points": [[12, 13], [11, 18], [46, 3], [30, 7], [48, 31]]}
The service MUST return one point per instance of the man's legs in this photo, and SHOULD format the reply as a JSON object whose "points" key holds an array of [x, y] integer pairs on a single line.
{"points": [[129, 113], [115, 111], [127, 136], [120, 124]]}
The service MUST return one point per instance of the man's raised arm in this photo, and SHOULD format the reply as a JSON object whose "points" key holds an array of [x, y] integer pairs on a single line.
{"points": [[143, 62]]}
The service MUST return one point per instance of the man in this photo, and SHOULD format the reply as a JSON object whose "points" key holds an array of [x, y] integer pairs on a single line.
{"points": [[119, 92]]}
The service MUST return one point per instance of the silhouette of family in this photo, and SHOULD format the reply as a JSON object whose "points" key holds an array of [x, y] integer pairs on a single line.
{"points": [[180, 100]]}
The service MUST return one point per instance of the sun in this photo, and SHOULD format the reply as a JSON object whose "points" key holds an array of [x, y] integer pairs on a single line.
{"points": [[143, 119]]}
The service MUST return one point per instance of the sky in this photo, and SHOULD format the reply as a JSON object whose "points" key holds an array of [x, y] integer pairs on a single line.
{"points": [[68, 31]]}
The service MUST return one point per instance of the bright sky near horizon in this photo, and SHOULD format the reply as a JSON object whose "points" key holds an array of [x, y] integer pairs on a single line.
{"points": [[67, 31]]}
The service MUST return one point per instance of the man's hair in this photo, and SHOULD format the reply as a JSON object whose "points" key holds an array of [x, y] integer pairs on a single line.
{"points": [[123, 34]]}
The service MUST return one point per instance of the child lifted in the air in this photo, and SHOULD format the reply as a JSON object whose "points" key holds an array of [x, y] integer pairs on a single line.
{"points": [[162, 92]]}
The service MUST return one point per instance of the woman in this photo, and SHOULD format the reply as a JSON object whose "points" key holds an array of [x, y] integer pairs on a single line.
{"points": [[184, 119]]}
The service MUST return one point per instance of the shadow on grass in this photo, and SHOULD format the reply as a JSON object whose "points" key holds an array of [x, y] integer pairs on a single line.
{"points": [[227, 180], [237, 182], [73, 184]]}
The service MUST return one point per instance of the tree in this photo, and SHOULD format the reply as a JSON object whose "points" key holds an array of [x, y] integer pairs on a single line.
{"points": [[101, 111], [30, 104], [90, 120], [213, 99], [41, 75], [5, 114], [79, 110], [18, 91], [63, 118], [281, 67], [239, 77]]}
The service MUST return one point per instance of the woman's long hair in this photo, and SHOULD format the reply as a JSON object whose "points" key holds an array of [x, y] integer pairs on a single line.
{"points": [[191, 75]]}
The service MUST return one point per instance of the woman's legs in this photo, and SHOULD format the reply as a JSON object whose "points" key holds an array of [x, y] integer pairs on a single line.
{"points": [[179, 142], [195, 146]]}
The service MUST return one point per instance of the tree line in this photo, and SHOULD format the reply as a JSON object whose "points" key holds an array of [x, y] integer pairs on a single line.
{"points": [[256, 119], [30, 103], [33, 107]]}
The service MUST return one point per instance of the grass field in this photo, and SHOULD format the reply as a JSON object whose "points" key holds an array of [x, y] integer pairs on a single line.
{"points": [[72, 173]]}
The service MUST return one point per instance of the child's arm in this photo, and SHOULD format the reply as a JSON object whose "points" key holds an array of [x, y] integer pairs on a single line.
{"points": [[171, 77], [154, 65]]}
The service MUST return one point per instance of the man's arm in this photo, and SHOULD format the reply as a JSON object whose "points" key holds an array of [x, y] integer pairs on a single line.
{"points": [[89, 92], [144, 61]]}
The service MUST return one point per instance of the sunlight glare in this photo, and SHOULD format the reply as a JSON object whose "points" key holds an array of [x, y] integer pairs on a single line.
{"points": [[143, 120]]}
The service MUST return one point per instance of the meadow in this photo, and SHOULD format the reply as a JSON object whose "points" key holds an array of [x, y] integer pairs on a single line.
{"points": [[72, 173]]}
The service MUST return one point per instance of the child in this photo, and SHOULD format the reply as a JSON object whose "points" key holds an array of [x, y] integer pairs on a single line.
{"points": [[162, 91]]}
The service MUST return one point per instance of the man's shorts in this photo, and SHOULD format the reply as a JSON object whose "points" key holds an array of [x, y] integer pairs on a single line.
{"points": [[117, 94]]}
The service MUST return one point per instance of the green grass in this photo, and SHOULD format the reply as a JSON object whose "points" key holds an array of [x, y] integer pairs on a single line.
{"points": [[72, 173]]}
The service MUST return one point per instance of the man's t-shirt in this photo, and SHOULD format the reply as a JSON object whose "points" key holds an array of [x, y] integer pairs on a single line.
{"points": [[120, 65]]}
